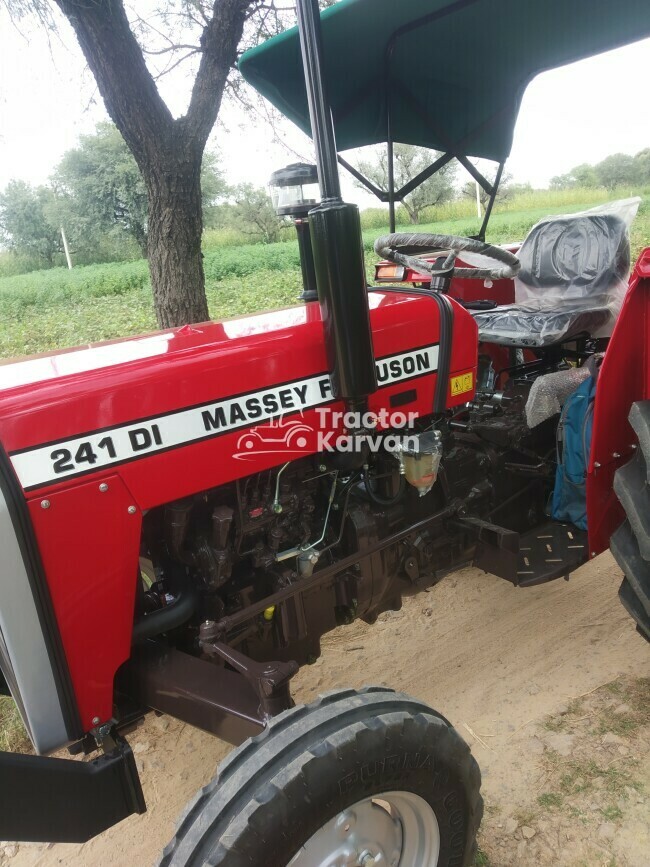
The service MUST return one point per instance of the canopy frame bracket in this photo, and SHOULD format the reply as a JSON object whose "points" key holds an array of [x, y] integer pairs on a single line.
{"points": [[414, 183], [391, 196]]}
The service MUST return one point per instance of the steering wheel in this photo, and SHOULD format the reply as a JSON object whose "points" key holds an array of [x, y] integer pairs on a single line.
{"points": [[397, 248]]}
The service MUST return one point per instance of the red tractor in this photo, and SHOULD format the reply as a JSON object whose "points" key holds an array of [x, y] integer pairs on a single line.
{"points": [[184, 515]]}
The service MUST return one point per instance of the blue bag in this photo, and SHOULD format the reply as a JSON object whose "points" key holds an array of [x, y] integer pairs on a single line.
{"points": [[569, 501]]}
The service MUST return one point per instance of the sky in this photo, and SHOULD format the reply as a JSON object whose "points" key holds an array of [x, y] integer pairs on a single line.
{"points": [[575, 114]]}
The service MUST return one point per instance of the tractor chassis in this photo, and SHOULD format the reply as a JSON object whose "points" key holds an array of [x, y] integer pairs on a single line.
{"points": [[236, 702], [233, 703]]}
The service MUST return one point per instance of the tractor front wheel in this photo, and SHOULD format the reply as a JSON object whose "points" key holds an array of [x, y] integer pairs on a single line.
{"points": [[630, 544], [368, 778]]}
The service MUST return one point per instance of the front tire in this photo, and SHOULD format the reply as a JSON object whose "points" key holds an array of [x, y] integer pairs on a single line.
{"points": [[368, 777]]}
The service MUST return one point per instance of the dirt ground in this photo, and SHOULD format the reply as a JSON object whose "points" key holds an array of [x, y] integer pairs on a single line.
{"points": [[546, 684]]}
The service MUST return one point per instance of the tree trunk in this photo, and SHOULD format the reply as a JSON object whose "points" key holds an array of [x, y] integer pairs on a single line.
{"points": [[414, 214], [168, 151], [174, 242]]}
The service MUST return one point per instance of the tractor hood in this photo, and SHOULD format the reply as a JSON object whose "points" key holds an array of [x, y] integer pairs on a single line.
{"points": [[141, 404], [449, 75]]}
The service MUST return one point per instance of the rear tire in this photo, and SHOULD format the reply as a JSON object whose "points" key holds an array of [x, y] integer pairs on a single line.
{"points": [[630, 544], [371, 775]]}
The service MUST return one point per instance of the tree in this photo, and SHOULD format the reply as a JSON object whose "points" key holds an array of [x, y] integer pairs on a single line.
{"points": [[616, 170], [561, 182], [583, 176], [409, 161], [506, 188], [642, 167], [168, 150], [253, 214], [214, 188], [26, 220], [105, 186], [105, 191]]}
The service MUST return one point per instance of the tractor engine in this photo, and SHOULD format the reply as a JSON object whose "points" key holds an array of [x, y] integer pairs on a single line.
{"points": [[281, 538]]}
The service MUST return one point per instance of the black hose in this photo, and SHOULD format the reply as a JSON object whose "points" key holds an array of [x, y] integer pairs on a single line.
{"points": [[169, 617], [384, 501]]}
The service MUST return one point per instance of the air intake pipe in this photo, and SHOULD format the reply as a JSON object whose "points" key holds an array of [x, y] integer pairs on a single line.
{"points": [[336, 240]]}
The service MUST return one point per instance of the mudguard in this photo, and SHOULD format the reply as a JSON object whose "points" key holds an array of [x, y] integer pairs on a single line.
{"points": [[624, 378]]}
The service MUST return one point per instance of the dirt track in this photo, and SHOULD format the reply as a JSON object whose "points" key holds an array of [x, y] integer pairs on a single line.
{"points": [[493, 659]]}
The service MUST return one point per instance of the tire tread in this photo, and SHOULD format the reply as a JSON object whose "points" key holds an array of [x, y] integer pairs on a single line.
{"points": [[314, 732], [630, 544]]}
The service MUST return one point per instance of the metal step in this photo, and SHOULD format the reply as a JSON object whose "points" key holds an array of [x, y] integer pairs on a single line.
{"points": [[550, 551]]}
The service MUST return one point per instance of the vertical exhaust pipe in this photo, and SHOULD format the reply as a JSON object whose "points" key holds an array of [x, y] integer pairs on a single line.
{"points": [[336, 240]]}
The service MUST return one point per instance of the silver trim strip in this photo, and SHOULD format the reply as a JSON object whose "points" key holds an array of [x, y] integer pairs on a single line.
{"points": [[22, 635], [51, 462]]}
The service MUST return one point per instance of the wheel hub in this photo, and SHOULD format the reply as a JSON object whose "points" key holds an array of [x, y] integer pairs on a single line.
{"points": [[394, 829]]}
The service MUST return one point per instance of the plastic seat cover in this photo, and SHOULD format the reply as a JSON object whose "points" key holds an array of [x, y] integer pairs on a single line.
{"points": [[573, 278], [514, 326]]}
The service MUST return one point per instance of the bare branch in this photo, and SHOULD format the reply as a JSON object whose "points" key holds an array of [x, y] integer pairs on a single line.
{"points": [[176, 63], [22, 8], [219, 42], [116, 60], [176, 47]]}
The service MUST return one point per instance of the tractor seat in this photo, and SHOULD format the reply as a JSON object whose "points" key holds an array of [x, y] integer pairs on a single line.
{"points": [[514, 326], [573, 276]]}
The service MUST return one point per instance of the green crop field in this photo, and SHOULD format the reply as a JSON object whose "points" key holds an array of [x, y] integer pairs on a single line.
{"points": [[45, 310]]}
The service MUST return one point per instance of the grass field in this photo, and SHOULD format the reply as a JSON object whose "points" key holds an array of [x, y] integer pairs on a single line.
{"points": [[45, 310]]}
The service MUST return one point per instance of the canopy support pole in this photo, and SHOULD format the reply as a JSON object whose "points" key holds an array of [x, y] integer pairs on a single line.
{"points": [[391, 185], [319, 106], [491, 201], [390, 152], [390, 149], [381, 194], [424, 175]]}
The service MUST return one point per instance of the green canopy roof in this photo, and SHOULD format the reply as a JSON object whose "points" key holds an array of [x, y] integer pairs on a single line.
{"points": [[456, 81]]}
